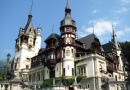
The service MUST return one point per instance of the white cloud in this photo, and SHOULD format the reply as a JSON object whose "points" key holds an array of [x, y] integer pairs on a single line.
{"points": [[8, 51], [127, 29], [81, 34], [100, 27], [94, 11], [125, 1], [120, 33], [122, 10]]}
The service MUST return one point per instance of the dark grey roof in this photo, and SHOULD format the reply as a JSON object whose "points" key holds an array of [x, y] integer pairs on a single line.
{"points": [[68, 19], [41, 50], [29, 24], [108, 46], [88, 40], [53, 36]]}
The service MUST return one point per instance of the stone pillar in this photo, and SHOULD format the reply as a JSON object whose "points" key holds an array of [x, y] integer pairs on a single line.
{"points": [[0, 86], [36, 77], [16, 84], [40, 75], [83, 71], [125, 87]]}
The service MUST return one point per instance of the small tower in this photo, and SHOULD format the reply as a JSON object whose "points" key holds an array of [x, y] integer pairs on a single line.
{"points": [[38, 40], [25, 46], [68, 36], [118, 48]]}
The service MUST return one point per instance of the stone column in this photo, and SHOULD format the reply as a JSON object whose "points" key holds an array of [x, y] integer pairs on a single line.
{"points": [[83, 71], [16, 84], [0, 86], [125, 87], [40, 75]]}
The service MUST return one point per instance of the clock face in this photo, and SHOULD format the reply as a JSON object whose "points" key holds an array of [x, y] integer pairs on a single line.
{"points": [[67, 52], [31, 40]]}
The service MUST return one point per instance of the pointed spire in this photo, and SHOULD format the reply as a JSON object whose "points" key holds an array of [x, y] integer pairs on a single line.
{"points": [[67, 9], [114, 38], [29, 22], [31, 9], [67, 5], [53, 28]]}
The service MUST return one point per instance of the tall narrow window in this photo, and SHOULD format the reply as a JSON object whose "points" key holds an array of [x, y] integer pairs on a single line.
{"points": [[72, 71], [79, 70], [72, 50], [84, 69], [63, 71]]}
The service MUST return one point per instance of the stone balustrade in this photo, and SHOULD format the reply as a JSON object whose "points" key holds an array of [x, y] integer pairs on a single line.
{"points": [[88, 56], [4, 85]]}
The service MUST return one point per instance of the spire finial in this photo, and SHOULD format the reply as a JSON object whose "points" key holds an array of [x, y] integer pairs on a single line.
{"points": [[113, 30], [93, 28], [31, 8], [53, 28], [67, 4]]}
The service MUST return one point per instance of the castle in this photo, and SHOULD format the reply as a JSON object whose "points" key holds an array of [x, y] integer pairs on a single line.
{"points": [[100, 67]]}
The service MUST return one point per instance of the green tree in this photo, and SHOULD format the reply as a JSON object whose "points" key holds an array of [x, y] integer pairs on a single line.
{"points": [[126, 49]]}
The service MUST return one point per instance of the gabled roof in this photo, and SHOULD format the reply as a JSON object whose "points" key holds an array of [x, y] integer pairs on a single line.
{"points": [[108, 46], [88, 40], [53, 36]]}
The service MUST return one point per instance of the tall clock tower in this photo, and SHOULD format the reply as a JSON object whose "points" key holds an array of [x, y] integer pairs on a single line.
{"points": [[27, 45], [68, 36]]}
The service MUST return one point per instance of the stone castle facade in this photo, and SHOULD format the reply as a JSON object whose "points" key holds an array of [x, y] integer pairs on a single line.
{"points": [[101, 67]]}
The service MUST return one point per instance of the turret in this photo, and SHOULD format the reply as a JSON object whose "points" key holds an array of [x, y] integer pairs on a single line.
{"points": [[68, 36], [25, 45], [38, 40], [118, 48]]}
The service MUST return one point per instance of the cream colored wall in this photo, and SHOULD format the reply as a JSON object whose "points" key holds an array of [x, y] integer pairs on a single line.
{"points": [[68, 60], [37, 44], [46, 73], [92, 65], [58, 70]]}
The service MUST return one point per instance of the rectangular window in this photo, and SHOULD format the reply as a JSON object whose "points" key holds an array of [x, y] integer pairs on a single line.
{"points": [[79, 70], [84, 69]]}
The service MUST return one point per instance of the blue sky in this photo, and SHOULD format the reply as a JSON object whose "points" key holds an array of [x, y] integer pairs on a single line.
{"points": [[87, 13]]}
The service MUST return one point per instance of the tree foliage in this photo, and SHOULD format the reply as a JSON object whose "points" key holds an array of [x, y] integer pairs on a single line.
{"points": [[47, 83], [126, 49], [67, 81]]}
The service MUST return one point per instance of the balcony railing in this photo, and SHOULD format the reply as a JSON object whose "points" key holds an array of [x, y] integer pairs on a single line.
{"points": [[5, 85], [88, 56]]}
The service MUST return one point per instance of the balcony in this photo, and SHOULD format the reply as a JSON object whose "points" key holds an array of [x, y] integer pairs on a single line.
{"points": [[89, 56], [51, 63]]}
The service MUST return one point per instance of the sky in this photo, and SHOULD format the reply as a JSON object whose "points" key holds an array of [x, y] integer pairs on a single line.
{"points": [[96, 16]]}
